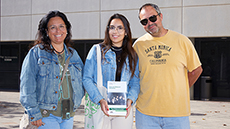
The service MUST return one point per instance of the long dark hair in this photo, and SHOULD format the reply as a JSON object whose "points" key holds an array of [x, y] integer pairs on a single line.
{"points": [[43, 39], [127, 49]]}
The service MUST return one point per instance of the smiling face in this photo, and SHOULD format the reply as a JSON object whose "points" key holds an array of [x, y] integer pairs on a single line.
{"points": [[56, 30], [116, 32]]}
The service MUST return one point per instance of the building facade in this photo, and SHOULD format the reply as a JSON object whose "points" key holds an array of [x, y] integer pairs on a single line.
{"points": [[205, 22]]}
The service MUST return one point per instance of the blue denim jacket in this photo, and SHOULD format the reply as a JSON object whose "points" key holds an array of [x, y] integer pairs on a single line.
{"points": [[108, 74], [40, 78]]}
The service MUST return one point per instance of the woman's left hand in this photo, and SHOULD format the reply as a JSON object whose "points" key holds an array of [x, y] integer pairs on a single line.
{"points": [[129, 105], [104, 106]]}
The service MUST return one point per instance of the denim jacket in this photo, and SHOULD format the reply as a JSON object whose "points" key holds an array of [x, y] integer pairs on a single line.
{"points": [[108, 67], [39, 81]]}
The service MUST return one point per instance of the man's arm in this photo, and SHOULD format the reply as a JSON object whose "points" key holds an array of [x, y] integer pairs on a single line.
{"points": [[194, 75]]}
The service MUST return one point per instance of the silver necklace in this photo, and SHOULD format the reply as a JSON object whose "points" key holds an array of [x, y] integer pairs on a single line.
{"points": [[116, 49]]}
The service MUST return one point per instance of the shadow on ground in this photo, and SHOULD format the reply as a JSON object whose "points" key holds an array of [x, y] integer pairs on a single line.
{"points": [[10, 114], [9, 109]]}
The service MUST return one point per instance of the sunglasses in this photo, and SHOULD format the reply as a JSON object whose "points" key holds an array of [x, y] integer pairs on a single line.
{"points": [[152, 18]]}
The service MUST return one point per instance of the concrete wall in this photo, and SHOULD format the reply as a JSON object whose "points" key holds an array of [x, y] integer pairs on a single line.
{"points": [[194, 18]]}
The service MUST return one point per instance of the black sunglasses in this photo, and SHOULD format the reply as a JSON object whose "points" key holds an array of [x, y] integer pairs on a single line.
{"points": [[152, 18]]}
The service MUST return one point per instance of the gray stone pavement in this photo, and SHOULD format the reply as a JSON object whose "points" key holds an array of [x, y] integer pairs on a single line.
{"points": [[205, 114]]}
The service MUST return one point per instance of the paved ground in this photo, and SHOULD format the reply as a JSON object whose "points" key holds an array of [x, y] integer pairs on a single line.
{"points": [[205, 114]]}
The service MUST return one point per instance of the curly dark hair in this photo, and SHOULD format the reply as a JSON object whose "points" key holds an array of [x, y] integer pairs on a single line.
{"points": [[43, 39]]}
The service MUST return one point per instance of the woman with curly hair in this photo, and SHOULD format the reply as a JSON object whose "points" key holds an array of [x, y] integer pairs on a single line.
{"points": [[51, 77]]}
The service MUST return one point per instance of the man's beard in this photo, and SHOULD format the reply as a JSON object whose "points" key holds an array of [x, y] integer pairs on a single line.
{"points": [[156, 29]]}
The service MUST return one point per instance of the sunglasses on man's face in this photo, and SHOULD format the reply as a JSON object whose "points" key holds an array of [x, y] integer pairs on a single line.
{"points": [[152, 18]]}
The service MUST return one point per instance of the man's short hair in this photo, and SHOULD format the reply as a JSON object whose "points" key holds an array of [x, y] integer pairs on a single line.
{"points": [[150, 4]]}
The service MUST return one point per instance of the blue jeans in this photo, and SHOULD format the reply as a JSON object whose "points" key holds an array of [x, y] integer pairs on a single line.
{"points": [[55, 122], [151, 122]]}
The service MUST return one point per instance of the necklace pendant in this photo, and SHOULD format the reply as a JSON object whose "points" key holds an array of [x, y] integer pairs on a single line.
{"points": [[59, 57], [119, 59]]}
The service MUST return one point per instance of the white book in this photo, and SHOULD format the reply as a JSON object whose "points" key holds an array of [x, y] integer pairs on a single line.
{"points": [[117, 98]]}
